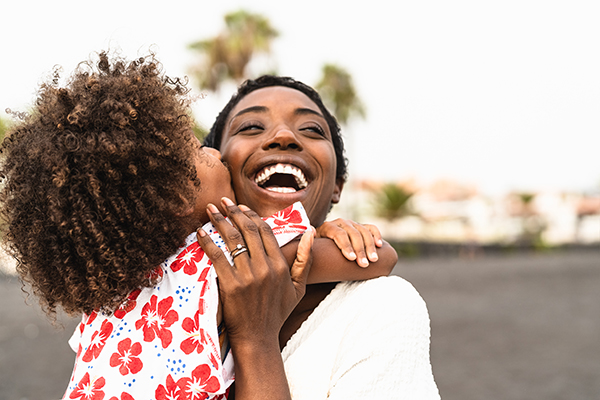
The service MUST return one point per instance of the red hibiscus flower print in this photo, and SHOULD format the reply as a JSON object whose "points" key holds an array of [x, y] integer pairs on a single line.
{"points": [[156, 273], [156, 318], [214, 361], [81, 327], [128, 304], [202, 278], [287, 221], [201, 382], [196, 336], [188, 259], [124, 396], [169, 391], [98, 341], [127, 358], [287, 216], [90, 318], [88, 389]]}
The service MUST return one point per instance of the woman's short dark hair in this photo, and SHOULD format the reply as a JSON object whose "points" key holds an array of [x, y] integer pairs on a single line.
{"points": [[213, 139]]}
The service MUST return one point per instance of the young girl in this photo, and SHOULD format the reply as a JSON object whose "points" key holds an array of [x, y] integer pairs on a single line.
{"points": [[102, 186]]}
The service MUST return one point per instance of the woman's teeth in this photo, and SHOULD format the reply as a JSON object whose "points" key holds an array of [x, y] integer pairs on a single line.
{"points": [[263, 176], [281, 189]]}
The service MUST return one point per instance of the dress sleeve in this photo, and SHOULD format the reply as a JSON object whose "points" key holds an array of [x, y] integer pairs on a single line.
{"points": [[286, 225], [75, 339]]}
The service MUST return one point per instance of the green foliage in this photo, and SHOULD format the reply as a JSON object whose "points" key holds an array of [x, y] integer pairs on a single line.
{"points": [[3, 128], [526, 198], [338, 92], [392, 201], [226, 56], [533, 225], [200, 131], [406, 250]]}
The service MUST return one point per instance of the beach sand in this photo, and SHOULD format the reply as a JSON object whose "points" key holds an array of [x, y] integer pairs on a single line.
{"points": [[521, 326]]}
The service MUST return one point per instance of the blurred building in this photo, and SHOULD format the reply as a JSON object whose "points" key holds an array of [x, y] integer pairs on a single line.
{"points": [[448, 211]]}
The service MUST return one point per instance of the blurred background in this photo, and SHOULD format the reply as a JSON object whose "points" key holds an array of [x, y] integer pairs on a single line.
{"points": [[472, 131]]}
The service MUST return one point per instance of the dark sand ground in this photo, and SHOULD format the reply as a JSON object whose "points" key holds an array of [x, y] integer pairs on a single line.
{"points": [[512, 327]]}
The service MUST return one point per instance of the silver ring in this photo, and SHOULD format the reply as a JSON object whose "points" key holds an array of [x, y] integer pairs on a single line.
{"points": [[239, 249]]}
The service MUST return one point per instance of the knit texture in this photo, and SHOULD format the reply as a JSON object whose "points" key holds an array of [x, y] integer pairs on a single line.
{"points": [[366, 340]]}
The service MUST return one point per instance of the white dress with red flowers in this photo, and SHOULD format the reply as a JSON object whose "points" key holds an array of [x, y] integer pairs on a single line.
{"points": [[163, 342]]}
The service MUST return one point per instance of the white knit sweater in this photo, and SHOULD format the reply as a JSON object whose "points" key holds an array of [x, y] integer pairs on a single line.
{"points": [[366, 340]]}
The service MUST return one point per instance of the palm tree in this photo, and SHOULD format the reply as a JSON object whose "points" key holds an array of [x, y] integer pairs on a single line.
{"points": [[338, 92], [533, 225], [392, 201], [226, 56]]}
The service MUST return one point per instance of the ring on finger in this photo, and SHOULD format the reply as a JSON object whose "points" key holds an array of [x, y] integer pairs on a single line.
{"points": [[239, 249]]}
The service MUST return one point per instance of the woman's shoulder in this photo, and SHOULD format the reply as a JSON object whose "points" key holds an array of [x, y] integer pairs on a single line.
{"points": [[389, 300], [383, 289]]}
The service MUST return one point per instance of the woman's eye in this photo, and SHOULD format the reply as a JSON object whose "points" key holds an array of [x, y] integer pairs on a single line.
{"points": [[251, 126], [314, 128]]}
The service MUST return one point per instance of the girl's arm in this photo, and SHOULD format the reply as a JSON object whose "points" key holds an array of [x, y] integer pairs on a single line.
{"points": [[330, 265]]}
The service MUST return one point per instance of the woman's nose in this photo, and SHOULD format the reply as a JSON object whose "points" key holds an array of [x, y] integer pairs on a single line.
{"points": [[283, 138], [213, 152]]}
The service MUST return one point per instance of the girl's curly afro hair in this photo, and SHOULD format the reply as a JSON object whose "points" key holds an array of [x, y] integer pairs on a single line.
{"points": [[93, 181]]}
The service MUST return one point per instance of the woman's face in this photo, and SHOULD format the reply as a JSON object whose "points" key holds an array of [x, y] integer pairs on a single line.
{"points": [[279, 150]]}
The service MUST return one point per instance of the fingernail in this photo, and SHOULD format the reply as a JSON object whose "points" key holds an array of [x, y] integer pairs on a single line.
{"points": [[379, 242], [365, 262], [227, 201], [243, 207], [201, 232], [212, 208], [352, 255], [374, 257]]}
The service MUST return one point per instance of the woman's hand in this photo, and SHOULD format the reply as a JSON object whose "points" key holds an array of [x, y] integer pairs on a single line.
{"points": [[356, 241], [257, 294], [260, 290]]}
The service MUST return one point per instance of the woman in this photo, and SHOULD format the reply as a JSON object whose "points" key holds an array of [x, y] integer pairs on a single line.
{"points": [[282, 145]]}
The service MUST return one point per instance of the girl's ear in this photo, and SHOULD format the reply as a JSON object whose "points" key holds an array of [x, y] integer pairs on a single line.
{"points": [[184, 212], [185, 209]]}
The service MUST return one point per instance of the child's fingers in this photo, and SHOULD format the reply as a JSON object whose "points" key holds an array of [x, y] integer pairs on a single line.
{"points": [[333, 230], [375, 233], [349, 238], [368, 240]]}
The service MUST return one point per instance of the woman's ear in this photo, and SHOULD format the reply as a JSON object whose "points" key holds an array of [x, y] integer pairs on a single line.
{"points": [[337, 191]]}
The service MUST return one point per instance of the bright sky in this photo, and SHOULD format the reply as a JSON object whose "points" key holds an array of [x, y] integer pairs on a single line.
{"points": [[501, 94]]}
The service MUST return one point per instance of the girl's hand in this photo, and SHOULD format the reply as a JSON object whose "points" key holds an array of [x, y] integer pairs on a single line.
{"points": [[356, 241], [260, 290]]}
